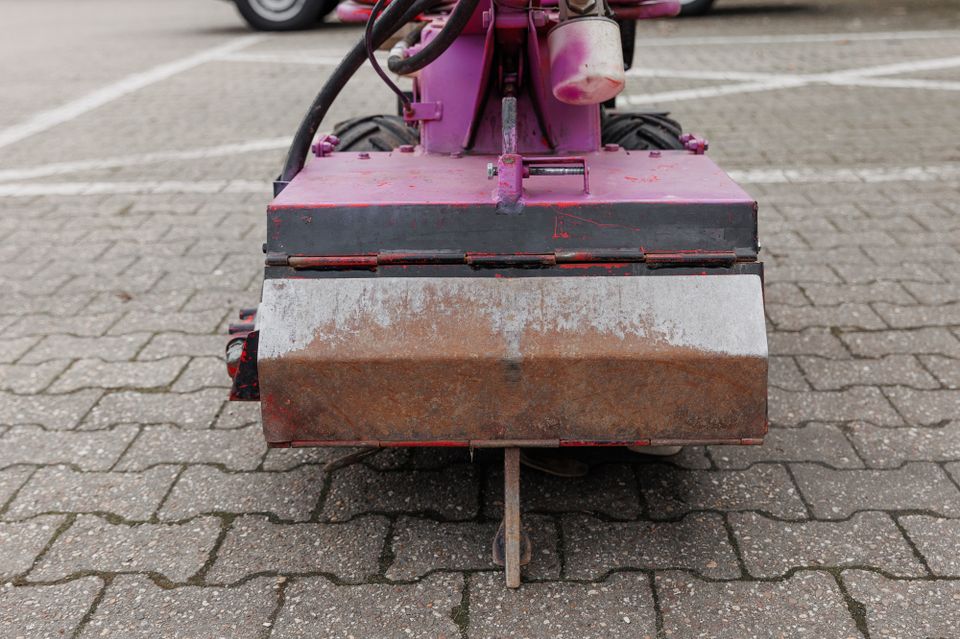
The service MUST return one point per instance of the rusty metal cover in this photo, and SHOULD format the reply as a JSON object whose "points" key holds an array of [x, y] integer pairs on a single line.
{"points": [[587, 359]]}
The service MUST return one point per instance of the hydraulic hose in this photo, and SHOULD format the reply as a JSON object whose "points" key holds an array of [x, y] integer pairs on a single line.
{"points": [[458, 19], [391, 20]]}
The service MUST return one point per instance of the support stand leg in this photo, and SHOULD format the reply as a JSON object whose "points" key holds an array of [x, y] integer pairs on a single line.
{"points": [[511, 515]]}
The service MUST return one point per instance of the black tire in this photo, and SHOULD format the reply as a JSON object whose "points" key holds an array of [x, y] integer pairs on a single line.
{"points": [[695, 7], [375, 133], [283, 15], [641, 131]]}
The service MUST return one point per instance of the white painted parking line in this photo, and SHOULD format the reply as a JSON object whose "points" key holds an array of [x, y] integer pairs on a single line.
{"points": [[65, 168], [825, 175], [46, 120], [801, 38]]}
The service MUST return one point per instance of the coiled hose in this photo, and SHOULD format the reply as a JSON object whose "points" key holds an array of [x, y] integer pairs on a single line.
{"points": [[455, 24]]}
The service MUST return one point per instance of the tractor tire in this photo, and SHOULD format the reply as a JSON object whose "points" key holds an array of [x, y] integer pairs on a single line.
{"points": [[283, 15], [641, 131], [695, 7], [375, 133]]}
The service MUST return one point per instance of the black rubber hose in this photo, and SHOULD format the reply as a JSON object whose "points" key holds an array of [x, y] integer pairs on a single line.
{"points": [[391, 20], [458, 19]]}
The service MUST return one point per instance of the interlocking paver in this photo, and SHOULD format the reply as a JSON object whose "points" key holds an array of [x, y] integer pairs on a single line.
{"points": [[253, 544], [783, 372], [451, 493], [936, 539], [945, 369], [315, 607], [420, 546], [808, 604], [134, 607], [48, 611], [835, 494], [831, 374], [58, 412], [151, 321], [906, 609], [110, 349], [890, 447], [770, 548], [11, 479], [610, 489], [290, 495], [186, 410], [794, 318], [203, 372], [164, 345], [812, 341], [176, 551], [697, 542], [925, 407], [816, 442], [14, 349], [789, 408], [30, 378], [620, 606], [922, 340], [290, 458], [833, 294], [133, 496], [88, 451], [240, 449], [669, 493], [919, 316], [95, 373], [21, 543]]}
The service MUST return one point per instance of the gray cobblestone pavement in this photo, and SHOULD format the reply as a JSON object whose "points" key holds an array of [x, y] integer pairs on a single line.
{"points": [[136, 502]]}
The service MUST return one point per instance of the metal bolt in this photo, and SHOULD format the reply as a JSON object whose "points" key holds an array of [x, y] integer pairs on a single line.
{"points": [[508, 160], [491, 170], [364, 156], [611, 147], [655, 154], [405, 148]]}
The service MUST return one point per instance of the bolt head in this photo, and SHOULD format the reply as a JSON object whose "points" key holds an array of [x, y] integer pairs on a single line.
{"points": [[611, 147], [655, 154], [364, 156], [405, 148]]}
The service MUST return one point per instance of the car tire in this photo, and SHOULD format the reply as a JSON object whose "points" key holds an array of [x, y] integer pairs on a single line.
{"points": [[283, 15], [695, 7]]}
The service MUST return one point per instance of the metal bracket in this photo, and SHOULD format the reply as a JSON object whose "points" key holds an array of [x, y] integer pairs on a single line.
{"points": [[423, 111]]}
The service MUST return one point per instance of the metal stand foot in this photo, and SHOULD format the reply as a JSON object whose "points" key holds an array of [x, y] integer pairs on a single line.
{"points": [[511, 518]]}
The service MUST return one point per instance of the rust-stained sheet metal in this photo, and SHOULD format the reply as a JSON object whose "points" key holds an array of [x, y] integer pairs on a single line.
{"points": [[546, 359]]}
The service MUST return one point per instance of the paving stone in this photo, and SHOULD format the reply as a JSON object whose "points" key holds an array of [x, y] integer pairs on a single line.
{"points": [[176, 551], [922, 340], [21, 543], [814, 442], [420, 546], [800, 273], [79, 325], [451, 493], [835, 494], [126, 301], [290, 458], [109, 349], [925, 407], [46, 612], [697, 542], [133, 496], [812, 341], [290, 495], [87, 451], [789, 408], [187, 410], [934, 294], [783, 372], [890, 447], [134, 607], [30, 378], [832, 374], [203, 372], [945, 369], [172, 344], [13, 349], [153, 322], [350, 551], [610, 489], [795, 318], [906, 609], [784, 293], [918, 316], [11, 480], [620, 606], [314, 608], [936, 539], [770, 548], [833, 294], [240, 449], [60, 412], [808, 604], [94, 373], [669, 493], [236, 414]]}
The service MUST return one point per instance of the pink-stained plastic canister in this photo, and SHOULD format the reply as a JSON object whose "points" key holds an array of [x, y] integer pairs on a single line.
{"points": [[586, 60]]}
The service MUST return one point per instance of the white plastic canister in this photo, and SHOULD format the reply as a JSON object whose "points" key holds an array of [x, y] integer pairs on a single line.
{"points": [[586, 60]]}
